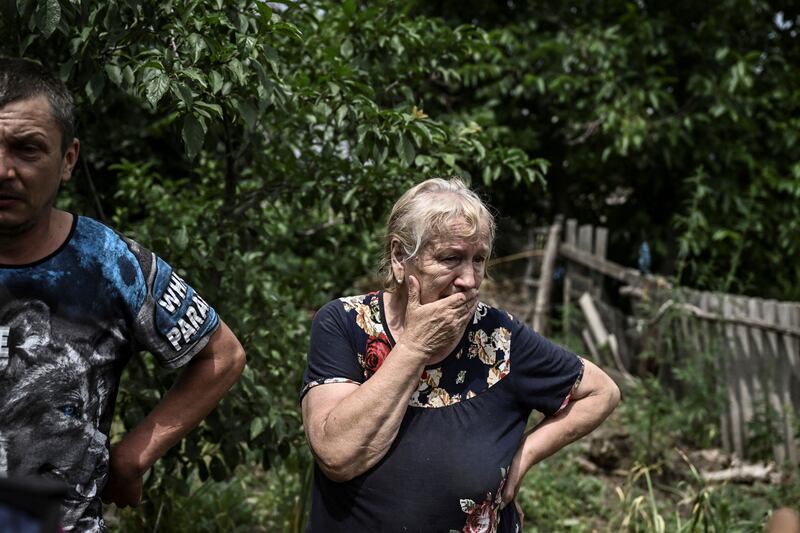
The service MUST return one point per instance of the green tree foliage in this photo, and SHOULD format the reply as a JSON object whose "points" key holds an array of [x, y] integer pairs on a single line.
{"points": [[674, 122], [258, 149]]}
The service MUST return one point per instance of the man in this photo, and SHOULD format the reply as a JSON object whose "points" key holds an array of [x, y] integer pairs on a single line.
{"points": [[77, 300]]}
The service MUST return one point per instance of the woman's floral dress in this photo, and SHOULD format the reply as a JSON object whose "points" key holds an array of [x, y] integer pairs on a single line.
{"points": [[446, 469]]}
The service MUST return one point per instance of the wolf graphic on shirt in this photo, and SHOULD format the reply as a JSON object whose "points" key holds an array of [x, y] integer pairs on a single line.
{"points": [[53, 383]]}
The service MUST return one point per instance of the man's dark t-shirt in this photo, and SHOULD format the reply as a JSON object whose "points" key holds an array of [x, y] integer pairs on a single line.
{"points": [[68, 325]]}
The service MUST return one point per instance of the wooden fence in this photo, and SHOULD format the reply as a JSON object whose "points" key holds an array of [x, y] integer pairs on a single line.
{"points": [[752, 344], [755, 344]]}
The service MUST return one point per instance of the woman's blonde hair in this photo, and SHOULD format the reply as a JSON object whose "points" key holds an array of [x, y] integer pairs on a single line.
{"points": [[426, 212]]}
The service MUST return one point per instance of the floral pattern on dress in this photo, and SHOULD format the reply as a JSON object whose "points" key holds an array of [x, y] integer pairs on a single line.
{"points": [[368, 318], [491, 347], [429, 394], [377, 351], [313, 384], [480, 346], [480, 312], [351, 302], [483, 517], [493, 350]]}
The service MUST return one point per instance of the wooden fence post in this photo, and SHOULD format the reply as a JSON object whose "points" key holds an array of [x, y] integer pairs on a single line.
{"points": [[786, 369], [738, 407], [541, 309], [766, 350], [600, 249], [571, 238], [585, 243], [604, 341], [712, 344]]}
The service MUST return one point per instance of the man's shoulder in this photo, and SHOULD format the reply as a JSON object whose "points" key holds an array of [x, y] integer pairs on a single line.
{"points": [[89, 228], [109, 244], [89, 225], [99, 258]]}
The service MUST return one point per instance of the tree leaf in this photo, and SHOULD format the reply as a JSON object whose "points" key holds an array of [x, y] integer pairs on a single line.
{"points": [[94, 87], [114, 73], [405, 150], [236, 67], [181, 239], [266, 15], [156, 88], [257, 426], [248, 113], [349, 7], [202, 469], [192, 134], [214, 108], [346, 49], [23, 5], [184, 93], [218, 470], [195, 74], [26, 42], [216, 81], [198, 45], [341, 114], [487, 175], [127, 75], [48, 16]]}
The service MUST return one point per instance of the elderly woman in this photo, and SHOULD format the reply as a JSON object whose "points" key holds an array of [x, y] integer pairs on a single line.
{"points": [[416, 397]]}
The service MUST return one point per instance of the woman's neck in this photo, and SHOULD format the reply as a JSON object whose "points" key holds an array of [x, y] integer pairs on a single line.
{"points": [[394, 307]]}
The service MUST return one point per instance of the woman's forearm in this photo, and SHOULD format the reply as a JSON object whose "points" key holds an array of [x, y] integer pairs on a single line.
{"points": [[356, 433]]}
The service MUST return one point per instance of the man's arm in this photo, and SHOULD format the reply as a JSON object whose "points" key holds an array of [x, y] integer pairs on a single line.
{"points": [[198, 389], [596, 396]]}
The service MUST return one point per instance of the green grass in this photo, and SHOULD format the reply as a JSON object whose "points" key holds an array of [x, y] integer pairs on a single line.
{"points": [[557, 496]]}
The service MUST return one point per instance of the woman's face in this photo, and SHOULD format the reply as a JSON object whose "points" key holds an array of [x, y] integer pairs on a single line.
{"points": [[449, 265]]}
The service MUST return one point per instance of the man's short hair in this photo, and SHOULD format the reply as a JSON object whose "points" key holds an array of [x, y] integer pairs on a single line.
{"points": [[21, 79]]}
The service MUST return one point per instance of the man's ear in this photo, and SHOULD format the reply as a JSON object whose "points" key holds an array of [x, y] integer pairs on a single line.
{"points": [[70, 159], [398, 258]]}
